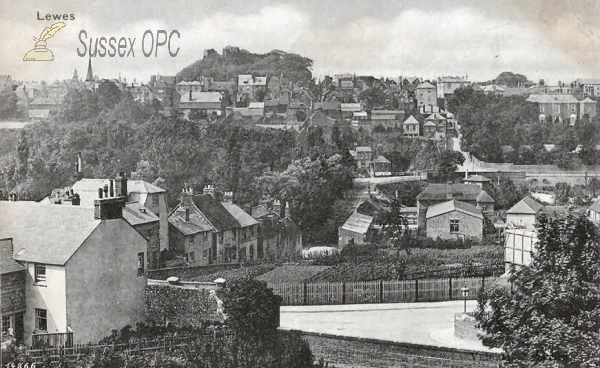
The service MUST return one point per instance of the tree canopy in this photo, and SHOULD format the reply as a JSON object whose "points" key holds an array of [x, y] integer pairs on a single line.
{"points": [[551, 315]]}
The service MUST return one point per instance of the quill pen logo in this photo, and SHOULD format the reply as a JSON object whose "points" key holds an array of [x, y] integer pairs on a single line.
{"points": [[40, 52]]}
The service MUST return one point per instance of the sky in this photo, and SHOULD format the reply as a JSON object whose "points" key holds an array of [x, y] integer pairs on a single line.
{"points": [[542, 39]]}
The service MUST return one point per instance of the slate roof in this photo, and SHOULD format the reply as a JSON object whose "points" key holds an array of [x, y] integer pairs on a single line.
{"points": [[358, 223], [7, 263], [552, 98], [483, 197], [196, 224], [461, 192], [212, 97], [261, 210], [425, 85], [478, 178], [88, 189], [411, 120], [328, 106], [526, 205], [216, 214], [381, 160], [453, 205], [45, 233], [364, 149], [136, 214], [241, 216]]}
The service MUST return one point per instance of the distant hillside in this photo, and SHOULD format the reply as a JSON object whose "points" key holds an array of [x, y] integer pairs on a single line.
{"points": [[225, 67]]}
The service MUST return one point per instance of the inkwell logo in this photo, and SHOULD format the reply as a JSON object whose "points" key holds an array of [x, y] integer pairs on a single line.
{"points": [[40, 52]]}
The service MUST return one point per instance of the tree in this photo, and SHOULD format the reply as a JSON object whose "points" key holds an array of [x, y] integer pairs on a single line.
{"points": [[393, 223], [552, 315], [197, 114], [251, 308], [446, 164], [8, 105]]}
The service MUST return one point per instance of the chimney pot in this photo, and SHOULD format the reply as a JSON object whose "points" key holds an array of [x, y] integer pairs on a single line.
{"points": [[105, 190], [112, 188]]}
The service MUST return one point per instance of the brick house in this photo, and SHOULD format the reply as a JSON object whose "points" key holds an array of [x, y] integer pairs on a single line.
{"points": [[440, 193], [12, 292], [65, 251], [454, 220], [562, 107]]}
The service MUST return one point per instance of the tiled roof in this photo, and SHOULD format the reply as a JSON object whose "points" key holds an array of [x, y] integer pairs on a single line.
{"points": [[7, 263], [328, 106], [358, 223], [197, 222], [364, 149], [381, 160], [526, 205], [216, 214], [241, 216], [483, 197], [461, 192], [453, 205], [45, 233]]}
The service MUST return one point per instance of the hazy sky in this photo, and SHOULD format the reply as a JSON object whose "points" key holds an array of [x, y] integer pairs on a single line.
{"points": [[539, 38]]}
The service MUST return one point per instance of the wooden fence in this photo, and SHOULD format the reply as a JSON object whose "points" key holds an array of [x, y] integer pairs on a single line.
{"points": [[364, 292]]}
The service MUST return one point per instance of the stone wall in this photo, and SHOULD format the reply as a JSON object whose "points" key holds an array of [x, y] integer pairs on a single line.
{"points": [[342, 351], [12, 292], [464, 327]]}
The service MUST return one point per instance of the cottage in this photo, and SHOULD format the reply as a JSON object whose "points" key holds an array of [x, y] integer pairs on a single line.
{"points": [[358, 229], [247, 233], [523, 214], [64, 250], [363, 156], [454, 220], [411, 127], [440, 193], [594, 212], [279, 238]]}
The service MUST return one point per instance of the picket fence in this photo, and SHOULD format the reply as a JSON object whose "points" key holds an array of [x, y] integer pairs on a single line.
{"points": [[392, 291]]}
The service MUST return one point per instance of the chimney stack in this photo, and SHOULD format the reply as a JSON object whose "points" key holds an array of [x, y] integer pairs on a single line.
{"points": [[187, 214], [209, 189], [449, 190], [228, 197], [187, 197], [121, 185]]}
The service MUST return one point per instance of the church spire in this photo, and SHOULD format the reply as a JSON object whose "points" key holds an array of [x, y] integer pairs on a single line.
{"points": [[75, 76], [90, 75]]}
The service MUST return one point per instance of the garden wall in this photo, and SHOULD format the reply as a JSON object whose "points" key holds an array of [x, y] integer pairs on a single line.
{"points": [[343, 351]]}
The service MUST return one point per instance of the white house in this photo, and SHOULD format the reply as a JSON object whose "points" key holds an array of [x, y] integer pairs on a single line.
{"points": [[85, 269]]}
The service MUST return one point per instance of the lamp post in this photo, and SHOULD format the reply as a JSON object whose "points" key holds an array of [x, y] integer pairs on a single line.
{"points": [[465, 293]]}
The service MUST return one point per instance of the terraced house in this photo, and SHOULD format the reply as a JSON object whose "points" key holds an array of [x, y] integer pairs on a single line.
{"points": [[205, 230]]}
